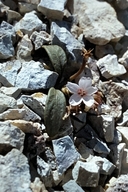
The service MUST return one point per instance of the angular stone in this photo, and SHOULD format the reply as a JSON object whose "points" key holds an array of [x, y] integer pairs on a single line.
{"points": [[85, 151], [124, 132], [24, 7], [12, 114], [33, 76], [14, 172], [29, 23], [13, 16], [40, 38], [38, 186], [24, 49], [27, 126], [8, 72], [72, 186], [10, 137], [99, 27], [10, 91], [86, 174], [109, 66], [52, 9], [106, 167], [30, 115], [6, 102], [116, 155], [62, 36], [44, 170], [65, 153], [124, 60], [36, 102], [78, 121], [122, 4]]}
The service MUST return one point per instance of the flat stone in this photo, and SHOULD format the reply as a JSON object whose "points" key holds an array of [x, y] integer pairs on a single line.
{"points": [[11, 91], [12, 167], [12, 114], [10, 137], [52, 9], [86, 174], [72, 186], [109, 66], [99, 27], [25, 7], [65, 153], [30, 115], [7, 102], [33, 76]]}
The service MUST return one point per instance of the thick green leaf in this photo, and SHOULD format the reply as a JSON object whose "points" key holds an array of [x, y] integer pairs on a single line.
{"points": [[55, 109], [57, 57]]}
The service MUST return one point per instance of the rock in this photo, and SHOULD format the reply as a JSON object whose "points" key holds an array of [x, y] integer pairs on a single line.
{"points": [[12, 4], [86, 174], [33, 76], [24, 49], [124, 120], [14, 168], [119, 184], [65, 153], [12, 114], [6, 102], [85, 151], [36, 102], [27, 126], [3, 9], [57, 178], [40, 38], [10, 137], [44, 170], [122, 4], [62, 36], [38, 186], [72, 186], [8, 72], [116, 155], [106, 167], [117, 137], [29, 23], [124, 60], [51, 159], [99, 27], [109, 66], [123, 130], [8, 30], [30, 115], [52, 9], [10, 91], [13, 16], [26, 7]]}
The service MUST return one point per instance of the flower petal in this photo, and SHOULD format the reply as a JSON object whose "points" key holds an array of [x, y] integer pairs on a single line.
{"points": [[73, 87], [75, 99], [88, 100], [91, 90], [85, 82]]}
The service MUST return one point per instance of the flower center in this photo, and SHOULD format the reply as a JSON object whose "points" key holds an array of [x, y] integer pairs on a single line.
{"points": [[81, 92]]}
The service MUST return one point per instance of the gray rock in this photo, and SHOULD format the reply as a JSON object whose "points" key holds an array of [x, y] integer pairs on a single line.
{"points": [[119, 184], [8, 72], [24, 7], [24, 49], [122, 4], [7, 102], [29, 23], [12, 114], [33, 76], [85, 151], [78, 121], [72, 186], [10, 137], [10, 91], [109, 66], [124, 60], [3, 9], [52, 9], [106, 167], [13, 16], [124, 132], [62, 37], [14, 172], [40, 38], [38, 185], [99, 27], [44, 170], [116, 155], [65, 153], [30, 115], [86, 174], [103, 50]]}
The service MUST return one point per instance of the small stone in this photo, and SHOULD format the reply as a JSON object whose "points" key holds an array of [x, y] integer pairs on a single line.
{"points": [[10, 137], [124, 60], [14, 168], [13, 16], [38, 186], [25, 7], [103, 50], [65, 153], [12, 114], [85, 151], [30, 115], [52, 9], [72, 186], [124, 132], [110, 67], [11, 91], [86, 174]]}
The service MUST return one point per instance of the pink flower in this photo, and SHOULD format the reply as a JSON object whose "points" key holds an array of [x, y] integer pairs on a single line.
{"points": [[82, 92]]}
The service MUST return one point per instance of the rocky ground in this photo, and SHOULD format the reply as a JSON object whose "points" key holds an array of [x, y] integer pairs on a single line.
{"points": [[63, 96]]}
